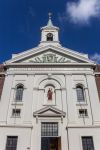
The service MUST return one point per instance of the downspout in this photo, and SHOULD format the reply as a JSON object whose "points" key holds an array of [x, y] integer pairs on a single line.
{"points": [[67, 114], [89, 100]]}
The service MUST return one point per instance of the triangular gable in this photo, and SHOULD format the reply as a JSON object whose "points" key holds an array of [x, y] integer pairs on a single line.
{"points": [[56, 54], [49, 111], [50, 56]]}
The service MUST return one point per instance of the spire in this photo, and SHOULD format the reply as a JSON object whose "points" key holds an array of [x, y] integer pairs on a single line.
{"points": [[50, 24], [50, 33]]}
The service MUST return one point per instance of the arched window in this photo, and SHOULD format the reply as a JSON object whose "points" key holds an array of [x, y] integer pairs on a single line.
{"points": [[80, 93], [49, 37], [19, 92]]}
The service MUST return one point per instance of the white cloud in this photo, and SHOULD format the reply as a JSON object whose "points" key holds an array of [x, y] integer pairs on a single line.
{"points": [[95, 57], [83, 11]]}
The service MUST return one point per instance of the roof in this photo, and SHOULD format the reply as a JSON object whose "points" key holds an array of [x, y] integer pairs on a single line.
{"points": [[97, 69], [50, 24], [53, 49], [1, 68]]}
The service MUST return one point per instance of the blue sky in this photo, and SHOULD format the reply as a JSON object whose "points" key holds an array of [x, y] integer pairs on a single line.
{"points": [[78, 20]]}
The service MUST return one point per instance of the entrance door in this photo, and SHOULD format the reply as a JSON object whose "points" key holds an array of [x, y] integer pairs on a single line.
{"points": [[49, 136], [50, 143]]}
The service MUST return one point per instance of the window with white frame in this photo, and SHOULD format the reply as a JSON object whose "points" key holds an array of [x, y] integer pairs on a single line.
{"points": [[83, 113], [49, 129], [80, 93], [11, 143], [16, 112], [19, 92], [87, 143]]}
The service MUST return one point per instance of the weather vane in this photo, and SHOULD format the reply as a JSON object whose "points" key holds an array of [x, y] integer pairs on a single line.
{"points": [[50, 14]]}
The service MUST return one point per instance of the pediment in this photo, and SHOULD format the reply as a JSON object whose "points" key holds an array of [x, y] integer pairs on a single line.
{"points": [[49, 111], [49, 54]]}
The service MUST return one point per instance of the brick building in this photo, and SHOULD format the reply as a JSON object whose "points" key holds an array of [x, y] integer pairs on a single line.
{"points": [[97, 77]]}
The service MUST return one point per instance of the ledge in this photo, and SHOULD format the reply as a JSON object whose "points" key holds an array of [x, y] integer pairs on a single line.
{"points": [[17, 103], [80, 104], [16, 126]]}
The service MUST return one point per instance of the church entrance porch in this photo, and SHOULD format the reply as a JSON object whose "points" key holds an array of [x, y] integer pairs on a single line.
{"points": [[50, 143]]}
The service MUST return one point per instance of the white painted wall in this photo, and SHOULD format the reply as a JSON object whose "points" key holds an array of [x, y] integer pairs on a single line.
{"points": [[34, 81], [24, 137]]}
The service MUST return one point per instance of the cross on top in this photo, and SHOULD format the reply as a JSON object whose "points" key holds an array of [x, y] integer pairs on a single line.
{"points": [[50, 14]]}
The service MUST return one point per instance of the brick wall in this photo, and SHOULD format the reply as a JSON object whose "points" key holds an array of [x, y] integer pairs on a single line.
{"points": [[2, 78], [97, 78]]}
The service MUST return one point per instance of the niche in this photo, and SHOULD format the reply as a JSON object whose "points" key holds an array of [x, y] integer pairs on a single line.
{"points": [[49, 95]]}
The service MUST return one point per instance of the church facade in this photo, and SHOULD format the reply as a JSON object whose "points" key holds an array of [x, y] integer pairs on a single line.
{"points": [[50, 99]]}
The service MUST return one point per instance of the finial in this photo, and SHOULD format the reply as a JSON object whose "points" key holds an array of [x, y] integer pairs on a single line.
{"points": [[50, 14], [50, 21]]}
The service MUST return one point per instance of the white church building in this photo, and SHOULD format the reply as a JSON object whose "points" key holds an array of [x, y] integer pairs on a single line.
{"points": [[49, 99]]}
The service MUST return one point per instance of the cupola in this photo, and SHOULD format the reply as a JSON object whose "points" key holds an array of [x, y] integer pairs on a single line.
{"points": [[49, 34]]}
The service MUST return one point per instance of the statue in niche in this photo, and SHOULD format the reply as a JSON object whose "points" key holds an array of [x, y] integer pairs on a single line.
{"points": [[49, 94]]}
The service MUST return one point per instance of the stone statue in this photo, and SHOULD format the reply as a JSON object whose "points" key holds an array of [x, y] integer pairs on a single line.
{"points": [[49, 94]]}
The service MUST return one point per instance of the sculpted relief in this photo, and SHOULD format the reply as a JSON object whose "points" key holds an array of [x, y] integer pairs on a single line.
{"points": [[50, 58], [50, 94]]}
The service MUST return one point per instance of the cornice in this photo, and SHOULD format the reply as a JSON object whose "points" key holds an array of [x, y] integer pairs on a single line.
{"points": [[59, 49], [16, 126], [82, 126], [2, 73], [97, 73], [48, 64], [42, 73]]}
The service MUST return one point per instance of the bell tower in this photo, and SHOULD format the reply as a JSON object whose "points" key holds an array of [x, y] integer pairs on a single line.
{"points": [[50, 34]]}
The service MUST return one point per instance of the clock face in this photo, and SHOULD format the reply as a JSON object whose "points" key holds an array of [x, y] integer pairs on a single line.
{"points": [[50, 35]]}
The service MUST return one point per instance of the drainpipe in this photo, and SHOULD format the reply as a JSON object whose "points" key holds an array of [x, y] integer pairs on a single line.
{"points": [[67, 115], [67, 137]]}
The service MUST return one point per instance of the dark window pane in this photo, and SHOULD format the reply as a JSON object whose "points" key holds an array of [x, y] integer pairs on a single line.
{"points": [[83, 113], [16, 112], [80, 93], [19, 93], [49, 129], [87, 143], [11, 143]]}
